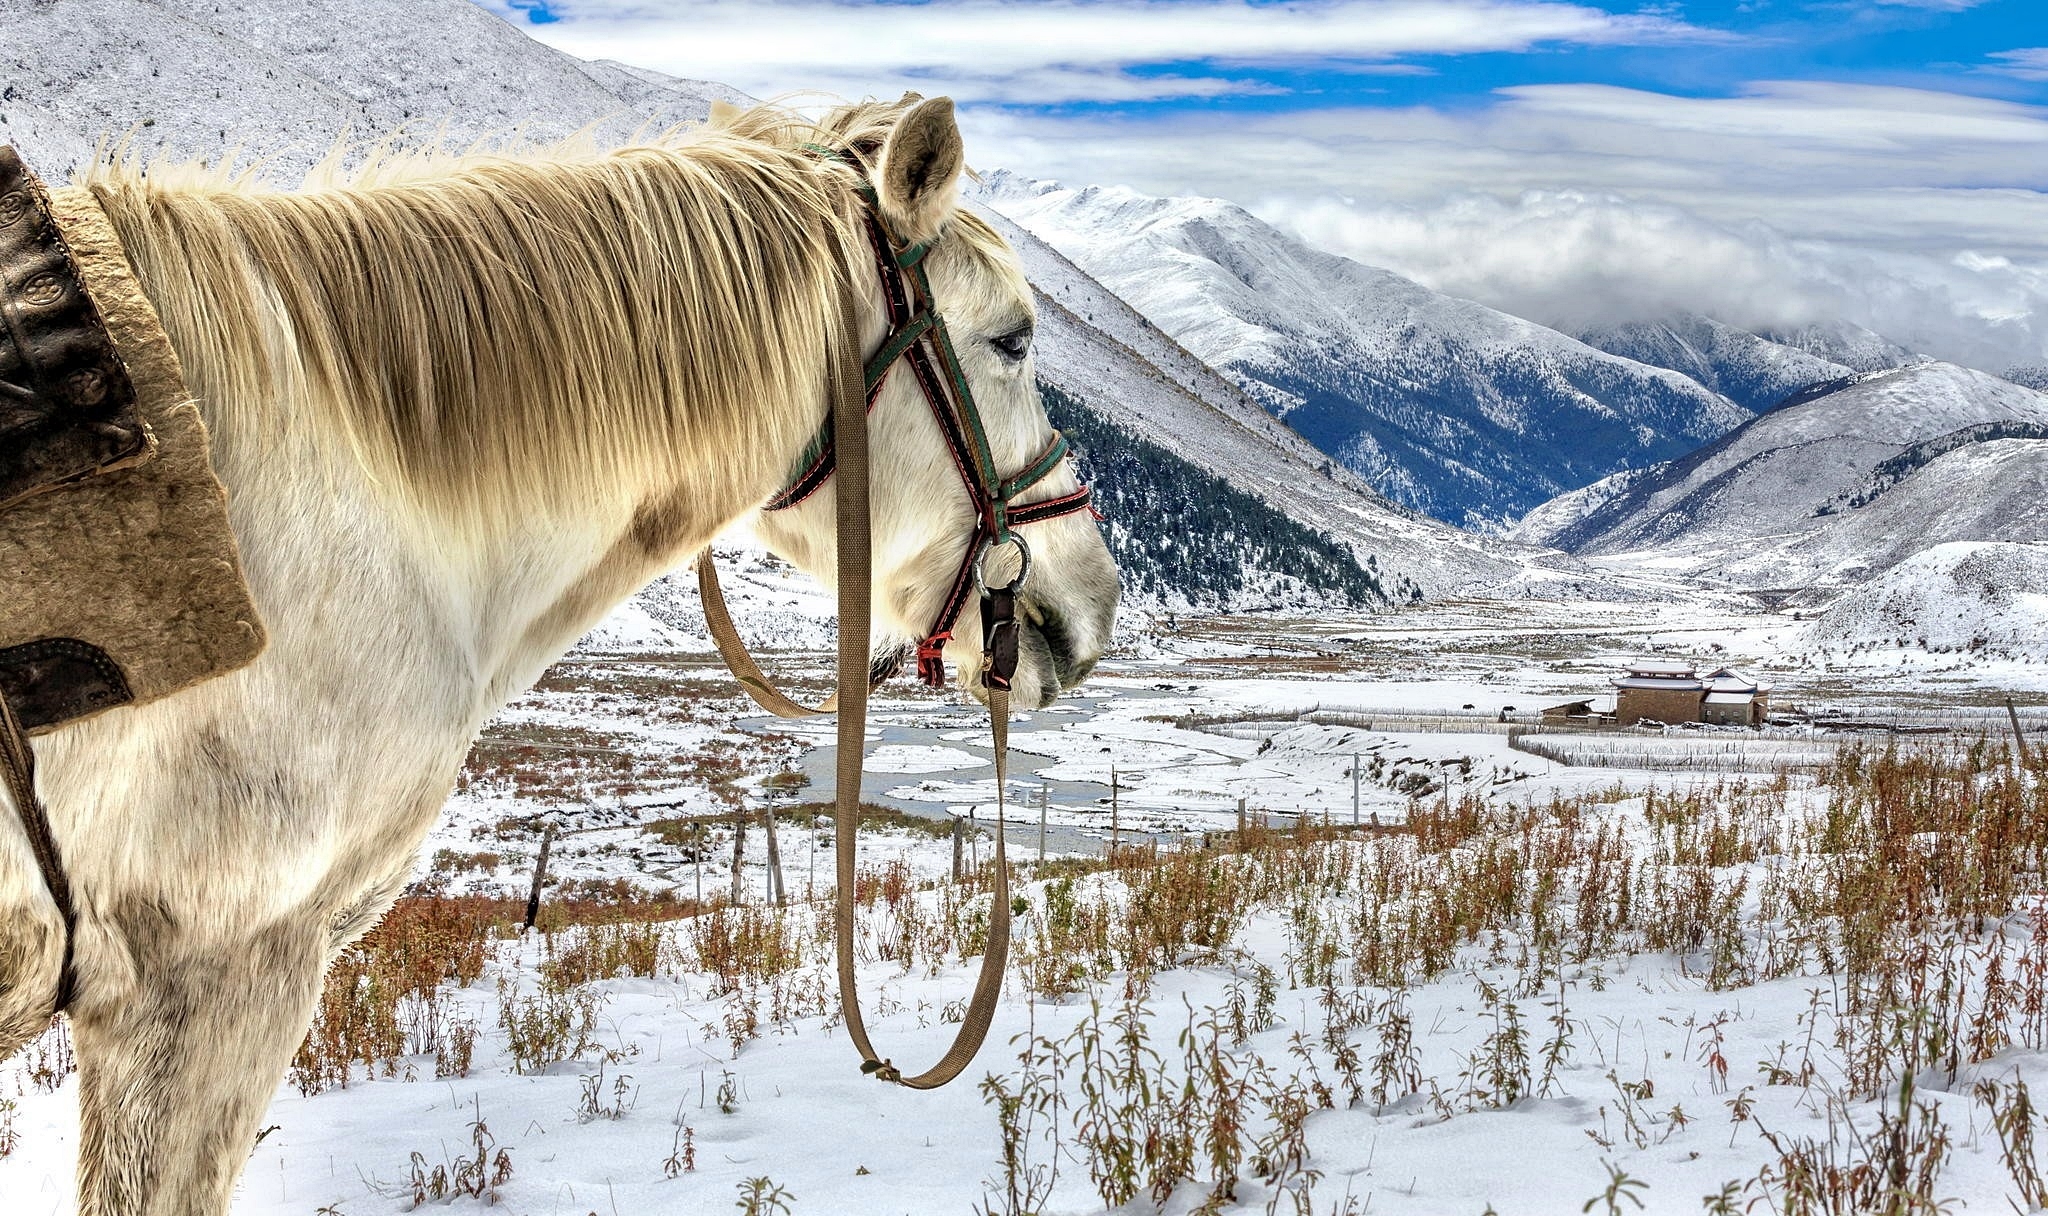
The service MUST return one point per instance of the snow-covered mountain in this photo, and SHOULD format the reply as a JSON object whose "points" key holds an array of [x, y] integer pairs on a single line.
{"points": [[1752, 371], [2032, 375], [1851, 345], [1829, 489], [1103, 354], [1442, 404], [283, 83]]}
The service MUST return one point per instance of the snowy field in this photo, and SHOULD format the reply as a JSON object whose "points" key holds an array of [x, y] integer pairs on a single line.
{"points": [[1541, 987]]}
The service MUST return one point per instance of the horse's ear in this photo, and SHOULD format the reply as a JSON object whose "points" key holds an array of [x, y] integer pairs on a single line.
{"points": [[920, 171]]}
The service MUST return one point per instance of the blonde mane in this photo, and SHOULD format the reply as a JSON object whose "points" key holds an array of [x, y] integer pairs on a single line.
{"points": [[487, 328]]}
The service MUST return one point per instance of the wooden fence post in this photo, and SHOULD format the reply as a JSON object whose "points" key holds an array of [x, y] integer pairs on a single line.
{"points": [[775, 891], [2019, 737], [739, 858], [1113, 832], [959, 836], [540, 873]]}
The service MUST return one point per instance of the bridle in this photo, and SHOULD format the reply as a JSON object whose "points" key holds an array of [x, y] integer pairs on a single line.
{"points": [[917, 335]]}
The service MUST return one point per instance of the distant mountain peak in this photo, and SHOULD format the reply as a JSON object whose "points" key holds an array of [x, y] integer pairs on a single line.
{"points": [[1443, 404]]}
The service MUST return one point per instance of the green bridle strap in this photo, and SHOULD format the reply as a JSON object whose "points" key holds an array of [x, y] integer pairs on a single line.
{"points": [[885, 357], [1041, 468]]}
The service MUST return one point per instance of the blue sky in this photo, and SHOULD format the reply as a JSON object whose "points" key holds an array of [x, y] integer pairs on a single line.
{"points": [[1767, 161]]}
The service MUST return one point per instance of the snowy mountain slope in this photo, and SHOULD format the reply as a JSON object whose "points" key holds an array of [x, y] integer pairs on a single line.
{"points": [[285, 81], [1753, 372], [1442, 404], [1955, 596], [1552, 522], [1099, 350], [1850, 345], [1770, 505]]}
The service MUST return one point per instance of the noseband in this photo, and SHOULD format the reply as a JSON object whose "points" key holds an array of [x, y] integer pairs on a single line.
{"points": [[918, 335]]}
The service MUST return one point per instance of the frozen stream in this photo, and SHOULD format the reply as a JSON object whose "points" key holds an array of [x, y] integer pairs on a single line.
{"points": [[938, 763]]}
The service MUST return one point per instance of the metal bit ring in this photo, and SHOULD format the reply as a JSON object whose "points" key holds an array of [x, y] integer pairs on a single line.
{"points": [[1023, 568]]}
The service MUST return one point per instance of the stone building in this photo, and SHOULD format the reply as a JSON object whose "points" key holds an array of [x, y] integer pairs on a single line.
{"points": [[1666, 690], [1733, 699]]}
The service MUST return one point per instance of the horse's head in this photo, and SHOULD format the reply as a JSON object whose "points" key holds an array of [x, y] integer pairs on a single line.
{"points": [[925, 517]]}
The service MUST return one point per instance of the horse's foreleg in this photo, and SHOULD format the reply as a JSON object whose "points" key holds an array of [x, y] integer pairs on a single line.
{"points": [[175, 1078], [31, 945]]}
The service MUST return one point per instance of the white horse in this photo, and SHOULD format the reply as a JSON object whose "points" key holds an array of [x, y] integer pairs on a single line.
{"points": [[464, 407]]}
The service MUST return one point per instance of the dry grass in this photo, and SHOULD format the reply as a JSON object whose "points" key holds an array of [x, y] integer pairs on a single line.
{"points": [[1910, 881]]}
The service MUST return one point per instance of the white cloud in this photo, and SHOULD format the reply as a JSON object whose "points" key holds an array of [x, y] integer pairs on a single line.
{"points": [[2027, 63], [1053, 51], [1575, 259]]}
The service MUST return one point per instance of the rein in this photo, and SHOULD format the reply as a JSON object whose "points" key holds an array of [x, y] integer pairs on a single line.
{"points": [[918, 336]]}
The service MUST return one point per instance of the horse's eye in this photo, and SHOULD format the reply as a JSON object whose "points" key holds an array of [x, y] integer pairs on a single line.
{"points": [[1014, 345]]}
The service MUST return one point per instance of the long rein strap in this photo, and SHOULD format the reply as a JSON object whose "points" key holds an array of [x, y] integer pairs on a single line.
{"points": [[18, 769], [855, 572]]}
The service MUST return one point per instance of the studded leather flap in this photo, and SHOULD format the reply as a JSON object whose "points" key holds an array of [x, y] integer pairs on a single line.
{"points": [[67, 408]]}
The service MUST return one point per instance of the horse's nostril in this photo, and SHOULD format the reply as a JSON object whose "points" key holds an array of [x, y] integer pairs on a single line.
{"points": [[1069, 667]]}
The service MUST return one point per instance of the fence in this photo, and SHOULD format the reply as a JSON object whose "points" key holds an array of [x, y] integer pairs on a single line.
{"points": [[1683, 753]]}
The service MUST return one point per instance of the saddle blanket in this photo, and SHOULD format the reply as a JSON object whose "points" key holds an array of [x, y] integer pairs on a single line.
{"points": [[120, 581]]}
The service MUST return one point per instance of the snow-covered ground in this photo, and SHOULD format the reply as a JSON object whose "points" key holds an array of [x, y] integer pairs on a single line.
{"points": [[758, 1081]]}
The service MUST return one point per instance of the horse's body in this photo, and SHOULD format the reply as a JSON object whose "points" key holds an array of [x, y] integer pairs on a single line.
{"points": [[462, 411]]}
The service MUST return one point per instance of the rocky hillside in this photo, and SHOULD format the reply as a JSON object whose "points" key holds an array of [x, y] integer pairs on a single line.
{"points": [[1956, 597]]}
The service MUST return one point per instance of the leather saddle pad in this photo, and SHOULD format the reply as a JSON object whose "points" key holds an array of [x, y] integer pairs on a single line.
{"points": [[120, 581]]}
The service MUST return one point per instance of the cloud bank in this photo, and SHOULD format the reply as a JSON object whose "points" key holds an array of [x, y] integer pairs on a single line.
{"points": [[1920, 214], [1059, 51]]}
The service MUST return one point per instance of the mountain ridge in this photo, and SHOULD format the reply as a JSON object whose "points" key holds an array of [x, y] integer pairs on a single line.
{"points": [[1829, 489], [1444, 405]]}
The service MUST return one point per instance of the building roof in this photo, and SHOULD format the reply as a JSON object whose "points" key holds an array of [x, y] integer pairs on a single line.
{"points": [[1727, 679], [1585, 707], [1743, 697], [1662, 667], [1685, 683]]}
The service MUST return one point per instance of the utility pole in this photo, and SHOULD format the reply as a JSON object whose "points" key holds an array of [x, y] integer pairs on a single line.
{"points": [[1112, 814], [774, 859]]}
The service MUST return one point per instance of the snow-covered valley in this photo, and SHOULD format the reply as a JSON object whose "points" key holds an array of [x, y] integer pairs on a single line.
{"points": [[637, 1064], [1325, 902]]}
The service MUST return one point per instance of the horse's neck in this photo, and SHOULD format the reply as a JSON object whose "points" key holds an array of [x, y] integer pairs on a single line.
{"points": [[338, 562], [461, 608]]}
